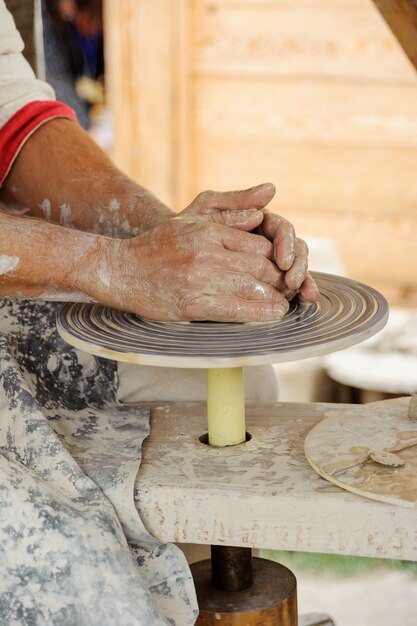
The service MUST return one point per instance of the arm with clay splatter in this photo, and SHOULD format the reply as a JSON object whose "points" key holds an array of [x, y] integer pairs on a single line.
{"points": [[61, 175], [39, 259], [180, 270]]}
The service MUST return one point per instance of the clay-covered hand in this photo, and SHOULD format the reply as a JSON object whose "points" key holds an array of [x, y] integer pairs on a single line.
{"points": [[290, 255], [190, 270], [238, 209], [245, 210]]}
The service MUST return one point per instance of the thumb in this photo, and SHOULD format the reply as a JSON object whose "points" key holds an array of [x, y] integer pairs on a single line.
{"points": [[241, 209], [253, 198], [237, 209], [241, 219]]}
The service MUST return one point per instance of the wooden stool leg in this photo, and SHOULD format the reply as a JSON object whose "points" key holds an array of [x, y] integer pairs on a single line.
{"points": [[231, 568], [270, 600]]}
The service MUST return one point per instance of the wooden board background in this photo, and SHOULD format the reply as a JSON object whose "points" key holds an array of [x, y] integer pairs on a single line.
{"points": [[317, 97]]}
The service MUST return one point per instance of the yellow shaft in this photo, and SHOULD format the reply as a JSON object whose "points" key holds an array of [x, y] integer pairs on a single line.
{"points": [[225, 406]]}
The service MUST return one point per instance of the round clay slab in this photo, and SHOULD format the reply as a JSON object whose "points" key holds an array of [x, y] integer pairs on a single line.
{"points": [[368, 449], [347, 313]]}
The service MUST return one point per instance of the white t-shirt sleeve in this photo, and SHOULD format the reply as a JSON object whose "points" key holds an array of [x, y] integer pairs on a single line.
{"points": [[18, 83]]}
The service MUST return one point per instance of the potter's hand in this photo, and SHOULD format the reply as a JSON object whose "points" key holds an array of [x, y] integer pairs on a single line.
{"points": [[245, 210], [291, 256], [192, 270], [238, 209]]}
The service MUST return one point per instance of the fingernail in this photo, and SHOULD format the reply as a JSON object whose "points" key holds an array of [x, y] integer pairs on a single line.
{"points": [[242, 217], [262, 290], [315, 296], [248, 212], [280, 310], [299, 278], [262, 186], [289, 259]]}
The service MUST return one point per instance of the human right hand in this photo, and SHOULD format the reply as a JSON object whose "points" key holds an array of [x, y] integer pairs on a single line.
{"points": [[246, 210], [190, 270]]}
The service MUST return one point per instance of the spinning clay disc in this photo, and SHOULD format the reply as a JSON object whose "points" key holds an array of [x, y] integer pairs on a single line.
{"points": [[346, 313]]}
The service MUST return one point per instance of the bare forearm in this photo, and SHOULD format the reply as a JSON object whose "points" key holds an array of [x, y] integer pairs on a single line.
{"points": [[62, 175], [43, 260]]}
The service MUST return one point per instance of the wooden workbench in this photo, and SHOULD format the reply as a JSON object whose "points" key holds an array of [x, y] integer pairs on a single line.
{"points": [[261, 494]]}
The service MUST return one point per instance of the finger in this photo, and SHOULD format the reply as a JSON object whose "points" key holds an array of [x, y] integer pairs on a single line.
{"points": [[241, 285], [253, 198], [255, 265], [290, 294], [243, 220], [281, 232], [295, 276], [241, 241], [309, 290], [231, 309]]}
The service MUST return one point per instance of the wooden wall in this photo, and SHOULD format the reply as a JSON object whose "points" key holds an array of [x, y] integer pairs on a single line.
{"points": [[317, 97]]}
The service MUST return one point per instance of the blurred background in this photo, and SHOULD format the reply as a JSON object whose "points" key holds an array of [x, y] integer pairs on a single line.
{"points": [[317, 97]]}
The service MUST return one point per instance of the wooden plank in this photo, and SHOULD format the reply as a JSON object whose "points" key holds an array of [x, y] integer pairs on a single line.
{"points": [[145, 80], [343, 179], [320, 38], [306, 111], [260, 494], [182, 105], [362, 199], [401, 17], [377, 251], [373, 249]]}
